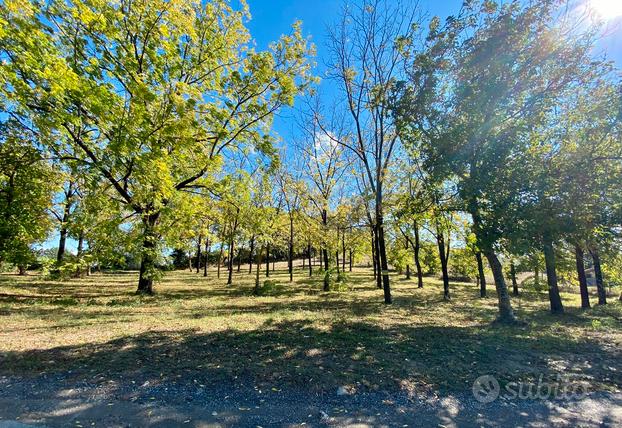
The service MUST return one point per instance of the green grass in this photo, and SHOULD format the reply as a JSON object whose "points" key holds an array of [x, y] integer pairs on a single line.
{"points": [[295, 335]]}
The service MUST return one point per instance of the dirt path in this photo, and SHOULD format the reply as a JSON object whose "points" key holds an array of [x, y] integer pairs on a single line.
{"points": [[56, 402]]}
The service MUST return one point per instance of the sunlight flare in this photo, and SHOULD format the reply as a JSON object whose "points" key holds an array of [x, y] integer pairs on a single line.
{"points": [[607, 9]]}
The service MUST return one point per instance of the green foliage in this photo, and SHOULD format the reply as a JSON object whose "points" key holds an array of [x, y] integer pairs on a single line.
{"points": [[399, 257], [27, 183], [462, 264], [269, 288], [159, 120]]}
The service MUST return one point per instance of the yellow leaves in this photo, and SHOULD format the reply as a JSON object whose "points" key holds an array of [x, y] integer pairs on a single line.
{"points": [[21, 8]]}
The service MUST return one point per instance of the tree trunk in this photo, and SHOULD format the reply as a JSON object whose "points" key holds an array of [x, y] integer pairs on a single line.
{"points": [[350, 258], [250, 255], [290, 261], [482, 277], [551, 277], [21, 270], [384, 266], [268, 260], [373, 250], [79, 271], [417, 261], [506, 314], [337, 260], [199, 254], [222, 248], [325, 257], [239, 259], [310, 264], [598, 273], [343, 250], [407, 264], [579, 259], [325, 252], [258, 267], [148, 256], [440, 241], [206, 257], [230, 262], [60, 255], [377, 259], [536, 272], [513, 275]]}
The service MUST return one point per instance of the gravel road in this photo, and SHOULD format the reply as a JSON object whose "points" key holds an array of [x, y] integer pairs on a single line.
{"points": [[60, 401]]}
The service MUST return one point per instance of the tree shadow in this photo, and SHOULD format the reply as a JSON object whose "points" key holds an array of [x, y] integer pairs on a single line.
{"points": [[303, 355]]}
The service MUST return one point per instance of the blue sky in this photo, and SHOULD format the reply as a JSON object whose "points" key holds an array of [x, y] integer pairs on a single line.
{"points": [[271, 18]]}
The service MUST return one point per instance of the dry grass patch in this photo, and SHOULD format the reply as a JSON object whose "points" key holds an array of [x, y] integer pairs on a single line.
{"points": [[201, 330]]}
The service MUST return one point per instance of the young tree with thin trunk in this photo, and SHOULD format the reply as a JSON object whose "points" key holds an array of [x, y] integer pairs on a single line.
{"points": [[367, 47]]}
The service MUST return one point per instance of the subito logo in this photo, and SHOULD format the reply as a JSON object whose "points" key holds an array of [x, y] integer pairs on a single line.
{"points": [[486, 389]]}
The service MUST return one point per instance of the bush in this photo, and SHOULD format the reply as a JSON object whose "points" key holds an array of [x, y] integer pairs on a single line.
{"points": [[269, 287]]}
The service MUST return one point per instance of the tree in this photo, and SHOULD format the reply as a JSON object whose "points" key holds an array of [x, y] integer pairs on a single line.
{"points": [[27, 185], [367, 47], [292, 190], [150, 95], [472, 98]]}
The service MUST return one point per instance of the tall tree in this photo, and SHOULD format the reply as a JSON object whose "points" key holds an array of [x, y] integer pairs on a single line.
{"points": [[471, 100], [150, 95], [366, 47]]}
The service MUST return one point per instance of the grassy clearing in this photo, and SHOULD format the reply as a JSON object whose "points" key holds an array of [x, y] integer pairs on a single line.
{"points": [[199, 330]]}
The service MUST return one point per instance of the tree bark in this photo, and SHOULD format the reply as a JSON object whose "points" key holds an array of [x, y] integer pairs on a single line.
{"points": [[230, 261], [222, 248], [407, 264], [207, 248], [598, 273], [440, 242], [343, 250], [250, 255], [239, 259], [377, 259], [384, 266], [351, 259], [337, 260], [79, 271], [325, 251], [268, 260], [506, 314], [148, 256], [258, 267], [551, 276], [60, 255], [417, 252], [482, 277], [198, 266], [290, 261], [373, 250], [513, 275], [579, 259], [326, 266], [309, 255]]}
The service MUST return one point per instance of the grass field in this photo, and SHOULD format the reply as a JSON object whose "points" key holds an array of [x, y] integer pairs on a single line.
{"points": [[297, 336]]}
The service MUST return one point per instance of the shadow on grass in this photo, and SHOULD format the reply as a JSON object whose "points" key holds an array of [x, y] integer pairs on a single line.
{"points": [[296, 353]]}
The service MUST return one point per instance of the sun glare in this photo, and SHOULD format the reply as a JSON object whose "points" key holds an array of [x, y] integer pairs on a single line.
{"points": [[607, 9]]}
